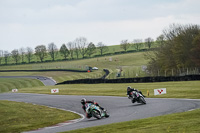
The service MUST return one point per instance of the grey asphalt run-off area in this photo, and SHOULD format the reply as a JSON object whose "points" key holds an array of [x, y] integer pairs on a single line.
{"points": [[120, 108]]}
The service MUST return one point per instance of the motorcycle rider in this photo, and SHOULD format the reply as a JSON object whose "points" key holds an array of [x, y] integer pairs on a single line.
{"points": [[84, 101], [129, 90]]}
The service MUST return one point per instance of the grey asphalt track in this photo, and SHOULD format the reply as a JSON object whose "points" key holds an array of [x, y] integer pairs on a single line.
{"points": [[45, 80], [119, 108]]}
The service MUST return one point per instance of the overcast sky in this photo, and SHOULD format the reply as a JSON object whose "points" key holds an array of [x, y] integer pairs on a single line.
{"points": [[29, 23]]}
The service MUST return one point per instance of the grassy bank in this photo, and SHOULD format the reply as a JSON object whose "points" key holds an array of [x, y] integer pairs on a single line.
{"points": [[130, 63], [187, 122], [17, 117], [7, 84], [183, 89]]}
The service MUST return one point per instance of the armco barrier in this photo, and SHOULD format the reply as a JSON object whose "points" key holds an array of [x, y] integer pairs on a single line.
{"points": [[134, 80]]}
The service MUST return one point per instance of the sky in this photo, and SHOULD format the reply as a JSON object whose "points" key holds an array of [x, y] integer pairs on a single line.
{"points": [[29, 23]]}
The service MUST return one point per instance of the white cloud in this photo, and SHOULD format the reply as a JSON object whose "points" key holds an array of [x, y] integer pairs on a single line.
{"points": [[29, 23]]}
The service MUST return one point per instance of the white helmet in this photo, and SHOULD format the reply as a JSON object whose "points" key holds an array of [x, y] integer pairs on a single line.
{"points": [[83, 101]]}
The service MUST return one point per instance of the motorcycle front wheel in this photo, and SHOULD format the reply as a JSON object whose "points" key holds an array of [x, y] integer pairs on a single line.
{"points": [[96, 114], [142, 100]]}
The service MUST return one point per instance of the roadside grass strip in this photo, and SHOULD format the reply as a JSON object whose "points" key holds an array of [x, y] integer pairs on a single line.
{"points": [[18, 117], [186, 122], [182, 89]]}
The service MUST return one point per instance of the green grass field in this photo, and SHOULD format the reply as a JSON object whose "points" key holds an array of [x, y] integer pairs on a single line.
{"points": [[130, 63], [183, 89], [17, 117], [111, 51], [7, 84], [187, 122]]}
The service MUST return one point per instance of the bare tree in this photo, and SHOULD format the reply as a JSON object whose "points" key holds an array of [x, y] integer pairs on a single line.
{"points": [[52, 49], [15, 55], [41, 52], [70, 46], [137, 44], [102, 47], [64, 51], [76, 50], [29, 54], [1, 56], [82, 44], [91, 49], [149, 42], [22, 53], [124, 45], [6, 56]]}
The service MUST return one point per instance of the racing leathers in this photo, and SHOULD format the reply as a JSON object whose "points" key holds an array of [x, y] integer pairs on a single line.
{"points": [[84, 108]]}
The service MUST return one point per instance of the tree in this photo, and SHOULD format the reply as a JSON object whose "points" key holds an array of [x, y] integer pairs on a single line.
{"points": [[52, 49], [6, 56], [160, 40], [76, 50], [41, 52], [15, 55], [82, 44], [64, 51], [1, 56], [124, 45], [149, 42], [102, 48], [195, 51], [137, 44], [70, 46], [180, 49], [29, 54], [22, 53], [91, 49]]}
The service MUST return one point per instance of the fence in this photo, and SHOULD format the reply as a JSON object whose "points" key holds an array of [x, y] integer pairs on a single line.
{"points": [[143, 72], [134, 80]]}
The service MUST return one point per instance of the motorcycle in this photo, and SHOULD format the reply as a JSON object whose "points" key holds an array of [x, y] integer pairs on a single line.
{"points": [[95, 111], [137, 97]]}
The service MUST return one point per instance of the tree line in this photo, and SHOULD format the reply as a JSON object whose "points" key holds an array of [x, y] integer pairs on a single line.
{"points": [[74, 49], [70, 50], [180, 50]]}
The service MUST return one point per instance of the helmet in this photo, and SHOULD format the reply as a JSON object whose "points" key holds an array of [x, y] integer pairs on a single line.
{"points": [[83, 101], [128, 88]]}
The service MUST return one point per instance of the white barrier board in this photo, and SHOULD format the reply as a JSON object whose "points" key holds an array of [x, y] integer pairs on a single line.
{"points": [[14, 90], [160, 91], [54, 90]]}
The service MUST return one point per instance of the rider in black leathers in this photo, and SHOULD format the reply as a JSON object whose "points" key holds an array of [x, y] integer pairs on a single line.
{"points": [[129, 90]]}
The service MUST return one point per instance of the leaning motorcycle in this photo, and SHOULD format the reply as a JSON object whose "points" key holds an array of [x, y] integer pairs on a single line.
{"points": [[137, 97], [95, 111]]}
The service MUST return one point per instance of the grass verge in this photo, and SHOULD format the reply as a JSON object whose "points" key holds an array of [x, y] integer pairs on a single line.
{"points": [[187, 122], [7, 84], [17, 117], [183, 89]]}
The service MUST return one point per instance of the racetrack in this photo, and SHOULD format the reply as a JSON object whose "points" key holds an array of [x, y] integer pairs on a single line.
{"points": [[119, 108], [45, 80]]}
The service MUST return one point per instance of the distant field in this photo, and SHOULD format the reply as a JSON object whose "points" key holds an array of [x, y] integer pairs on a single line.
{"points": [[183, 89], [130, 64], [18, 83], [128, 59], [111, 51]]}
